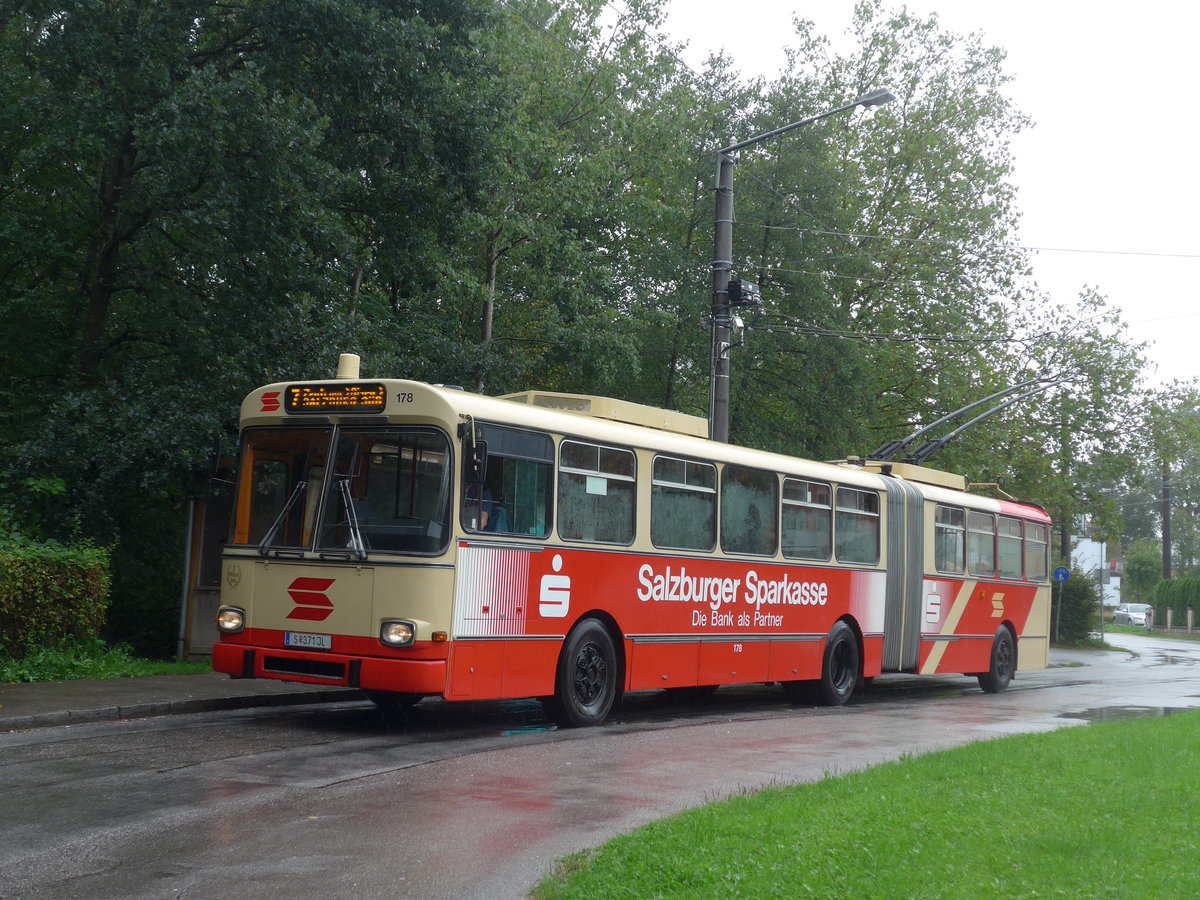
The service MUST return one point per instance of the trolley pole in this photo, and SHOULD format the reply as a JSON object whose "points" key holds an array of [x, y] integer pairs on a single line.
{"points": [[722, 264]]}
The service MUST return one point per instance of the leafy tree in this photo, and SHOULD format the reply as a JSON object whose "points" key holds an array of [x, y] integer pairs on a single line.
{"points": [[196, 198], [893, 283], [587, 234], [1143, 571], [882, 245], [1139, 504], [1080, 436], [1168, 444]]}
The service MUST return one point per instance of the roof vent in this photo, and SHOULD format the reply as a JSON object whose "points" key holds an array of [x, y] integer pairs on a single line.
{"points": [[615, 411]]}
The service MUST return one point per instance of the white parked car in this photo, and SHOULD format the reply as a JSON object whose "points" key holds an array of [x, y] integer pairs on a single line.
{"points": [[1132, 614]]}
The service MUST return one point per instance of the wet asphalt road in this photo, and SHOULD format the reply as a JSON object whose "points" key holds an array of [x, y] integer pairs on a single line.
{"points": [[475, 800]]}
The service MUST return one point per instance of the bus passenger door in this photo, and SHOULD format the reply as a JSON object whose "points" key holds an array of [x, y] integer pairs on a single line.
{"points": [[905, 573]]}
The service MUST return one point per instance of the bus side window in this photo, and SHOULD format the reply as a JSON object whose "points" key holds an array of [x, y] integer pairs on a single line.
{"points": [[683, 504], [1037, 552], [949, 540], [749, 510], [518, 490], [856, 526], [807, 520], [515, 498], [1009, 548], [595, 493], [981, 544]]}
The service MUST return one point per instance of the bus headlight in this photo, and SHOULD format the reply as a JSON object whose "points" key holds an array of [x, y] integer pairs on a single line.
{"points": [[230, 619], [397, 633]]}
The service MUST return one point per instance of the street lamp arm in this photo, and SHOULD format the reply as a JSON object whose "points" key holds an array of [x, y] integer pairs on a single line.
{"points": [[874, 98]]}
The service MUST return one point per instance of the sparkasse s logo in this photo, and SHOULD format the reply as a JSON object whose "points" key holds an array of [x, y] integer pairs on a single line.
{"points": [[312, 603]]}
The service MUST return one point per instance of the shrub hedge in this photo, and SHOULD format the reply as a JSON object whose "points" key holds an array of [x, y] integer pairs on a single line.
{"points": [[1176, 594], [1077, 610], [50, 593]]}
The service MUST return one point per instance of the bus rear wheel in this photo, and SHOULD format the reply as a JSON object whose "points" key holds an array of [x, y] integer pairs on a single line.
{"points": [[1003, 664], [839, 672], [586, 682], [839, 666]]}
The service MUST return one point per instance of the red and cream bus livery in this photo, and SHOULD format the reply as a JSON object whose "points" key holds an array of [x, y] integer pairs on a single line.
{"points": [[414, 540]]}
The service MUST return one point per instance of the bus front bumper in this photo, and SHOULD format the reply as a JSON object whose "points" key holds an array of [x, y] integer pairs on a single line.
{"points": [[410, 676]]}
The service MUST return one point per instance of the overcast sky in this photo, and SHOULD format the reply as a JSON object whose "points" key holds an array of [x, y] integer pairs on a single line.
{"points": [[1108, 166]]}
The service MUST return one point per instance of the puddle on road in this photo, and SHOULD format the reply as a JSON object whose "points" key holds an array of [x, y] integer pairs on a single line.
{"points": [[1113, 713], [1172, 659]]}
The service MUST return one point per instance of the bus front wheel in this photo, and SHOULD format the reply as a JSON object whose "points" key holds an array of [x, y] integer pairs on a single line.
{"points": [[586, 682]]}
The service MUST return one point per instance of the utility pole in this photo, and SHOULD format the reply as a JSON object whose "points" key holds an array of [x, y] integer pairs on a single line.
{"points": [[1166, 520], [722, 265]]}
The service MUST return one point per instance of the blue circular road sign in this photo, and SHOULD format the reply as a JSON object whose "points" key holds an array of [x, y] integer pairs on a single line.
{"points": [[1062, 573]]}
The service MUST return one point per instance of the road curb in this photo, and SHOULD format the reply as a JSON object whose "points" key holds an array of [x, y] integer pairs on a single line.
{"points": [[174, 707]]}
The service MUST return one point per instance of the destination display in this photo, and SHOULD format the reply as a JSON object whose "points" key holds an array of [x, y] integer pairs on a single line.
{"points": [[356, 397]]}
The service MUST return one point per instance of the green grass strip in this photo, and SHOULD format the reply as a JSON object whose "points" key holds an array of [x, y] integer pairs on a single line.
{"points": [[1106, 810], [90, 658]]}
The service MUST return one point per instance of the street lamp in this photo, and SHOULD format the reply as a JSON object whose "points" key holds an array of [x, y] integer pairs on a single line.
{"points": [[718, 413]]}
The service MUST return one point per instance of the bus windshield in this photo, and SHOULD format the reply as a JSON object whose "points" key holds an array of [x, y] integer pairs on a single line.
{"points": [[346, 491]]}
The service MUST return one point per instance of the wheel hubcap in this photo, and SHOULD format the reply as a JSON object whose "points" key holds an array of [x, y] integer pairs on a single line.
{"points": [[591, 673], [839, 666], [1003, 659]]}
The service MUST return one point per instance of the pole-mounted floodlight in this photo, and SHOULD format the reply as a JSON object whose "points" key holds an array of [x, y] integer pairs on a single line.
{"points": [[876, 98], [722, 264]]}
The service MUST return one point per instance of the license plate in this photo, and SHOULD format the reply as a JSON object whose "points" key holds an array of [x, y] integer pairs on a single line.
{"points": [[307, 641]]}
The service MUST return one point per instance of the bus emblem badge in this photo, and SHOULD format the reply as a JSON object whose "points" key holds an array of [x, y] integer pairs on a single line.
{"points": [[312, 604], [933, 609], [554, 600]]}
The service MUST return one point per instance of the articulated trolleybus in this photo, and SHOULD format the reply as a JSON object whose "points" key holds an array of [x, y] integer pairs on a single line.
{"points": [[413, 540]]}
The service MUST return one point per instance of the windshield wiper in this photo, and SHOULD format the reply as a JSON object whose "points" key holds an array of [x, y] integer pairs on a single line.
{"points": [[265, 544], [356, 538]]}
